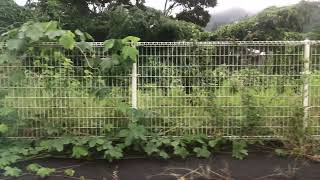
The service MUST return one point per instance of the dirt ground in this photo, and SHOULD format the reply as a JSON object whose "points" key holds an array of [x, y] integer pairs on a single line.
{"points": [[258, 166]]}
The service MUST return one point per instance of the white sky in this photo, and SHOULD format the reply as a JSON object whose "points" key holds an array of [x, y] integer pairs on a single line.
{"points": [[250, 5]]}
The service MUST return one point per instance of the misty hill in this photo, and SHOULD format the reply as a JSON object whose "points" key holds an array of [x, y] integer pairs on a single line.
{"points": [[295, 22], [227, 17]]}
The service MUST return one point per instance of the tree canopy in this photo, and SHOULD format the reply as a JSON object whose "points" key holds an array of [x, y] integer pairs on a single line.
{"points": [[192, 10]]}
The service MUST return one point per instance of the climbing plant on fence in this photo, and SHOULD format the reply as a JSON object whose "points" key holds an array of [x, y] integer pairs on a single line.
{"points": [[43, 50], [51, 67]]}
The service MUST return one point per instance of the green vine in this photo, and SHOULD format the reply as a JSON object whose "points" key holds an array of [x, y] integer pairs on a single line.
{"points": [[25, 41]]}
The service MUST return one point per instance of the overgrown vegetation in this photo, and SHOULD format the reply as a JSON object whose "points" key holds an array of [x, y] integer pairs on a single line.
{"points": [[67, 84]]}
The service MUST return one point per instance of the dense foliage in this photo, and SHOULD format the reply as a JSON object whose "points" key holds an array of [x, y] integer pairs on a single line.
{"points": [[11, 15], [192, 10], [275, 23], [113, 20]]}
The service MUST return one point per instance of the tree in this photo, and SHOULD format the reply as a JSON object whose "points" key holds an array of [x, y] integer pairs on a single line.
{"points": [[193, 10], [11, 15], [105, 19]]}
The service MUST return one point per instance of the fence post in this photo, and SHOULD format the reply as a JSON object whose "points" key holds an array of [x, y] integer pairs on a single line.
{"points": [[134, 86], [306, 72]]}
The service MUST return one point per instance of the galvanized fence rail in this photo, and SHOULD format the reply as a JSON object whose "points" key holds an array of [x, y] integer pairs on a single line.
{"points": [[260, 89]]}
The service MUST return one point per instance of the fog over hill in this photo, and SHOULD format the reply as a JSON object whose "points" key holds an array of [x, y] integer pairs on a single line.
{"points": [[226, 17]]}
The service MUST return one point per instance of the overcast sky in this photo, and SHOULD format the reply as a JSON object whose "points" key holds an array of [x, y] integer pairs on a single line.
{"points": [[250, 5]]}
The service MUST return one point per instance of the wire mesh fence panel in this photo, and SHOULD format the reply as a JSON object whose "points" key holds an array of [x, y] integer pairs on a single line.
{"points": [[231, 89], [247, 89], [314, 115], [52, 91]]}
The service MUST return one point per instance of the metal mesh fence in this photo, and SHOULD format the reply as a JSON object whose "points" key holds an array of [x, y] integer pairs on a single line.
{"points": [[233, 89]]}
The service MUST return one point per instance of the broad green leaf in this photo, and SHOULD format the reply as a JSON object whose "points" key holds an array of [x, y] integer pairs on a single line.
{"points": [[108, 44], [88, 36], [239, 150], [85, 46], [132, 39], [79, 151], [106, 63], [50, 26], [12, 171], [4, 58], [57, 145], [181, 151], [15, 44], [80, 34], [151, 148], [130, 52], [35, 31], [53, 34], [3, 128], [115, 58], [106, 145], [164, 155], [113, 153], [215, 142], [45, 172], [202, 152], [33, 167], [69, 172], [95, 141], [67, 40]]}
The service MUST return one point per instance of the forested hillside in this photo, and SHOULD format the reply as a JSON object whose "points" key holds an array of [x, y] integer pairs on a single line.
{"points": [[227, 17], [105, 19], [276, 23]]}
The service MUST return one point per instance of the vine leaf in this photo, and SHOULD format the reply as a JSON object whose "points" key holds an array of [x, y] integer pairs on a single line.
{"points": [[108, 44], [81, 35], [33, 167], [151, 148], [51, 26], [3, 128], [181, 151], [130, 52], [132, 39], [69, 172], [79, 151], [15, 44], [67, 40], [113, 153], [12, 171], [164, 155], [35, 31], [202, 152], [88, 36], [239, 150], [95, 141], [215, 142], [134, 132], [106, 63], [6, 57], [85, 46], [52, 34], [45, 172]]}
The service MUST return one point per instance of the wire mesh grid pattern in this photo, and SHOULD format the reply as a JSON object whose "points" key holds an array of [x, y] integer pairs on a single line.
{"points": [[233, 89]]}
